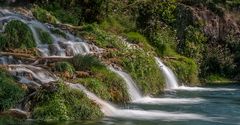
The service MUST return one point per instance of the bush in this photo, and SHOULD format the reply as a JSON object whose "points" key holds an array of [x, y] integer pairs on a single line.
{"points": [[10, 91], [144, 70], [45, 37], [185, 69], [101, 38], [86, 62], [43, 15], [59, 32], [17, 35], [64, 67], [194, 43], [64, 104], [106, 84]]}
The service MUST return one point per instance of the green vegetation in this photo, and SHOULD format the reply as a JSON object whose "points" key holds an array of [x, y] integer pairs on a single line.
{"points": [[64, 104], [16, 35], [101, 81], [185, 69], [216, 78], [43, 15], [144, 70], [10, 92], [86, 62], [106, 85], [45, 37], [59, 32], [64, 67]]}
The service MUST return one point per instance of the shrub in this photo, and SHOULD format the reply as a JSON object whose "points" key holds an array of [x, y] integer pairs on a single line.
{"points": [[64, 67], [101, 38], [17, 35], [43, 15], [59, 32], [185, 68], [45, 37], [10, 91], [144, 70], [64, 104], [85, 62]]}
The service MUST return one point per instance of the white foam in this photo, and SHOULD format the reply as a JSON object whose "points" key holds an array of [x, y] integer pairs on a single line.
{"points": [[204, 89], [111, 111], [163, 101]]}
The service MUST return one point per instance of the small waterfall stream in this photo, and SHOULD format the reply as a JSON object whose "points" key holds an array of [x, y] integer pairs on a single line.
{"points": [[132, 87], [136, 96], [171, 80]]}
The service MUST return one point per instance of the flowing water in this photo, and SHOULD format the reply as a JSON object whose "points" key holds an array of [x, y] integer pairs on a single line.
{"points": [[222, 107], [179, 106], [171, 80]]}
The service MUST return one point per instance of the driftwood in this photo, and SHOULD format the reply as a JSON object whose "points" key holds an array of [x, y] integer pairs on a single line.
{"points": [[18, 55]]}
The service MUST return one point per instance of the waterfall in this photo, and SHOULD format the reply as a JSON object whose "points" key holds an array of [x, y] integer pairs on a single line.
{"points": [[131, 86], [69, 46], [171, 80], [28, 74], [111, 111], [136, 96]]}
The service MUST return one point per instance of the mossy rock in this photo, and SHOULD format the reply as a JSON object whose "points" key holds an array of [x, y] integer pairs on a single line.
{"points": [[10, 92], [17, 35], [64, 104]]}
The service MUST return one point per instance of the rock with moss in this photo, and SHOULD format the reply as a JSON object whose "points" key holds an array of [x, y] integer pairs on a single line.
{"points": [[64, 104], [10, 91], [17, 35]]}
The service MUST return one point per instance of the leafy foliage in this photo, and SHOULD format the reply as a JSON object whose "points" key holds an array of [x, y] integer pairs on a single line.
{"points": [[10, 92], [64, 104], [64, 67], [17, 35], [45, 37], [44, 15], [86, 62]]}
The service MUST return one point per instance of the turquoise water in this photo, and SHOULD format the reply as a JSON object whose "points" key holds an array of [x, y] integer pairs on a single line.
{"points": [[219, 106]]}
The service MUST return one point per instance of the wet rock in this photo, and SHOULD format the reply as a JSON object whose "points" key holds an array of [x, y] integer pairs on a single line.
{"points": [[16, 113]]}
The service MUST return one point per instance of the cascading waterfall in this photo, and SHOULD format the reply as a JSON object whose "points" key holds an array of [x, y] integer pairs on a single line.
{"points": [[131, 86], [68, 46], [111, 111], [171, 80], [136, 96], [29, 74], [62, 47]]}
